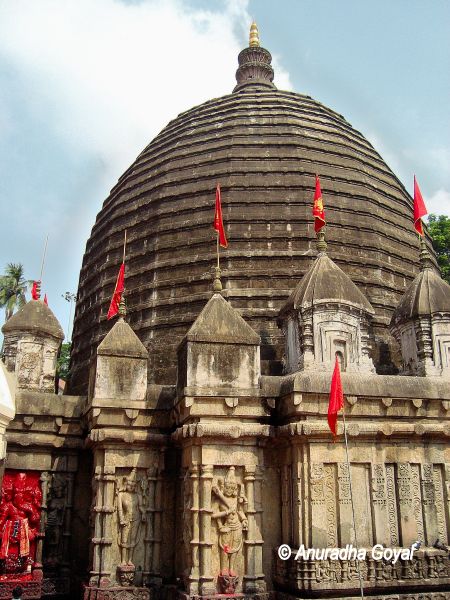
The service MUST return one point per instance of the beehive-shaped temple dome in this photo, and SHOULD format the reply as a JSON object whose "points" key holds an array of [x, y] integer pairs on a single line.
{"points": [[264, 146]]}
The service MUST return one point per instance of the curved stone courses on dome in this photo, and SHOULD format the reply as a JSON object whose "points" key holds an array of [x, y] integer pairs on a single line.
{"points": [[264, 147]]}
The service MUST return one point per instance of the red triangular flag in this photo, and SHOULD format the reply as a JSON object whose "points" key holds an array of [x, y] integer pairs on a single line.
{"points": [[318, 210], [118, 291], [336, 402], [35, 292], [218, 220], [45, 299], [420, 210]]}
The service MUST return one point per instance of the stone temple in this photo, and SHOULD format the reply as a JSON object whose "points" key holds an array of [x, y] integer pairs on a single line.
{"points": [[193, 445]]}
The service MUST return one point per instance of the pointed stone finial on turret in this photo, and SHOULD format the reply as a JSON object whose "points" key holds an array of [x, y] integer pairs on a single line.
{"points": [[217, 283], [122, 307], [321, 243], [254, 36], [424, 256]]}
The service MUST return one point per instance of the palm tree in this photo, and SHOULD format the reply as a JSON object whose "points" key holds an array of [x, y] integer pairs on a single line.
{"points": [[13, 287]]}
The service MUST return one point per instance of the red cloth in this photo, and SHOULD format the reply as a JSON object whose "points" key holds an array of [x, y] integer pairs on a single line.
{"points": [[218, 220], [336, 402], [35, 291], [118, 291], [4, 548], [420, 210], [318, 210], [45, 299]]}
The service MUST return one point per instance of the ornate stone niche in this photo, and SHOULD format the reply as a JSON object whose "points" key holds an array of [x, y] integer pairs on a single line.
{"points": [[326, 315]]}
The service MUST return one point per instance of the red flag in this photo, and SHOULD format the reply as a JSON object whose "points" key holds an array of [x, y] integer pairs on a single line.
{"points": [[35, 290], [420, 210], [45, 299], [118, 291], [318, 211], [336, 398], [218, 220]]}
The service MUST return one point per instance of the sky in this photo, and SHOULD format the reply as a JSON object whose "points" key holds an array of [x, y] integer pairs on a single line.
{"points": [[86, 84]]}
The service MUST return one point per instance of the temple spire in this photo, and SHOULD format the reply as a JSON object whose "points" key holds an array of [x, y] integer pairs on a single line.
{"points": [[425, 259], [254, 36], [255, 67]]}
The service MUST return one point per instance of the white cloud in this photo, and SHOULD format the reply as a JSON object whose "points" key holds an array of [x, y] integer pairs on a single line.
{"points": [[113, 74], [439, 203]]}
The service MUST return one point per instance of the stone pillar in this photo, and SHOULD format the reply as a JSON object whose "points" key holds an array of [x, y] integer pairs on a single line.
{"points": [[286, 509], [67, 520], [260, 583], [149, 539], [157, 533], [97, 536], [194, 577], [408, 528], [206, 579], [249, 583]]}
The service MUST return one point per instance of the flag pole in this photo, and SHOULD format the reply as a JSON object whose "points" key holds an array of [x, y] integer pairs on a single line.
{"points": [[43, 258], [352, 503], [124, 245]]}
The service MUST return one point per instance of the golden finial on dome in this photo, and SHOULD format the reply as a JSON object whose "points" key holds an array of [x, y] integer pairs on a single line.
{"points": [[254, 36]]}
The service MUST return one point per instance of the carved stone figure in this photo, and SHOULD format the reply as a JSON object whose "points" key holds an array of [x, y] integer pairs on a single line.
{"points": [[131, 515], [231, 522], [55, 519]]}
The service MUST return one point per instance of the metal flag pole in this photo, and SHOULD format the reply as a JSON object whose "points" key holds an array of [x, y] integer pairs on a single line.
{"points": [[124, 245], [43, 258], [352, 503]]}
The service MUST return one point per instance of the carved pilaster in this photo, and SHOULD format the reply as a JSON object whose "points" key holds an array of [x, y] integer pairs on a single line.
{"points": [[97, 493], [109, 482], [408, 524], [417, 502], [206, 578], [345, 507], [428, 502], [157, 526], [380, 504], [286, 503], [439, 503], [254, 577], [391, 504], [150, 509], [192, 583]]}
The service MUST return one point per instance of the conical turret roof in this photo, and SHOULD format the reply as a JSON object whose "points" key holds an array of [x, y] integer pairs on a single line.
{"points": [[122, 341], [325, 282], [35, 316]]}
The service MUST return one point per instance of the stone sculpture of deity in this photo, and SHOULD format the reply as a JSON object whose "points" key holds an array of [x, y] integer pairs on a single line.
{"points": [[130, 516], [231, 522], [20, 511], [56, 509]]}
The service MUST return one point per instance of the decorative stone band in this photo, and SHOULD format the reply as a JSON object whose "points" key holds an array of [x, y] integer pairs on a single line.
{"points": [[126, 436], [367, 429], [223, 430], [426, 567]]}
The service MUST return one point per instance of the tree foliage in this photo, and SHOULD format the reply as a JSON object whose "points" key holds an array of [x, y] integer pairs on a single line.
{"points": [[62, 365], [13, 287], [439, 229]]}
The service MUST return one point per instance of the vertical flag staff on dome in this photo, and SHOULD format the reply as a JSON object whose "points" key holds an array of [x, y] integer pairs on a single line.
{"points": [[420, 210], [36, 288], [335, 405], [221, 237], [318, 209], [120, 285]]}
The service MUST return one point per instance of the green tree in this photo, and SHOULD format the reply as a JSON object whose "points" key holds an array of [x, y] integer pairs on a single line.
{"points": [[439, 229], [62, 365], [13, 287]]}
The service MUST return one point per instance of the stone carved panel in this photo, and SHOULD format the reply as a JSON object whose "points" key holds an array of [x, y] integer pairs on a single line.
{"points": [[417, 502], [130, 518], [229, 513], [57, 528]]}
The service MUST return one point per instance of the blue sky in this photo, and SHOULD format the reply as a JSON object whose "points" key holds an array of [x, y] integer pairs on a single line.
{"points": [[86, 84]]}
